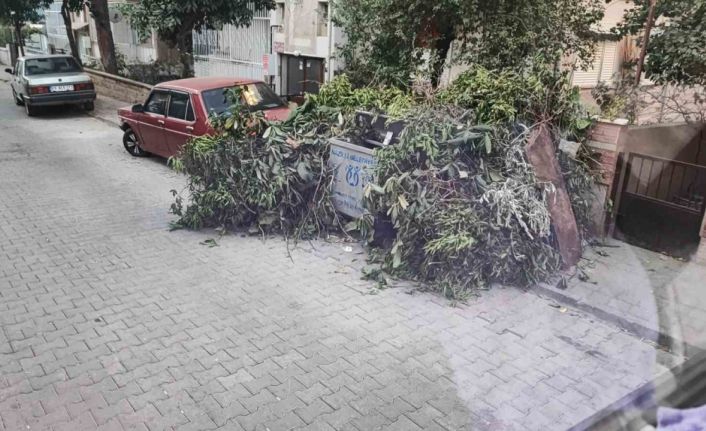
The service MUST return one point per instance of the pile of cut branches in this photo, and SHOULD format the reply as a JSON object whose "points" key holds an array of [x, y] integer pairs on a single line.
{"points": [[259, 175], [466, 207]]}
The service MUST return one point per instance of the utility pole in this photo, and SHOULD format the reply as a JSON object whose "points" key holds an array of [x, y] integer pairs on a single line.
{"points": [[645, 41]]}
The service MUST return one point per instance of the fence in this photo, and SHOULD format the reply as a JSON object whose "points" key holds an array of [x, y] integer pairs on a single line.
{"points": [[233, 51]]}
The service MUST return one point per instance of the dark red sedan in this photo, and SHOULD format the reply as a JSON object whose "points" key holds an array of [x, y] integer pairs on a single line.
{"points": [[175, 111]]}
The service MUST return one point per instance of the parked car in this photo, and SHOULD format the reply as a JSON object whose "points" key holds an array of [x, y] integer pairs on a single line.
{"points": [[47, 80], [177, 110]]}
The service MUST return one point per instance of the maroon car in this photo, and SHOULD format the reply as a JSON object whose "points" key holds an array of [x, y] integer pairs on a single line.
{"points": [[175, 111]]}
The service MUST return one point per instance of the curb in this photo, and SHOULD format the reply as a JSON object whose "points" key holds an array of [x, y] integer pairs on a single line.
{"points": [[103, 119], [662, 339]]}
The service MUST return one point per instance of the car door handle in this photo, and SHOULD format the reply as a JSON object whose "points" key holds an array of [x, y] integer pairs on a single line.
{"points": [[189, 129], [160, 122]]}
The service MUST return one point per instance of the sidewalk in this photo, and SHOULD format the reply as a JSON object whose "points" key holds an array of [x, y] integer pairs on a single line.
{"points": [[652, 295], [106, 109]]}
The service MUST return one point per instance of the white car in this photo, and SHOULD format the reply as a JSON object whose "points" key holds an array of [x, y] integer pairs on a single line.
{"points": [[47, 80]]}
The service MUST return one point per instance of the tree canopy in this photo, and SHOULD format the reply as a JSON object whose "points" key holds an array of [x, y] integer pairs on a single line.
{"points": [[175, 20], [677, 46], [389, 40]]}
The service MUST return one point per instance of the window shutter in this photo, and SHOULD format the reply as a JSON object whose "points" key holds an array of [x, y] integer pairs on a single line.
{"points": [[608, 69]]}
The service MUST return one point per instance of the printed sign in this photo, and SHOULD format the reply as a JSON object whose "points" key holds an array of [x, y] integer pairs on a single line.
{"points": [[266, 64], [354, 168]]}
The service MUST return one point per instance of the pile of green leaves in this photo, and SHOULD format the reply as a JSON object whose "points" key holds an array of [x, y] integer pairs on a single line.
{"points": [[341, 94], [464, 202], [465, 205], [259, 175], [532, 95]]}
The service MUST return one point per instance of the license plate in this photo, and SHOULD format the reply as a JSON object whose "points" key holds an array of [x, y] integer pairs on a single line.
{"points": [[59, 88]]}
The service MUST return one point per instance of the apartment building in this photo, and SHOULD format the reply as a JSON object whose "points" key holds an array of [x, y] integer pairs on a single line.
{"points": [[127, 41], [292, 47]]}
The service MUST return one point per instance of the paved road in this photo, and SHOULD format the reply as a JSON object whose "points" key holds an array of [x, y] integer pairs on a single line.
{"points": [[109, 321]]}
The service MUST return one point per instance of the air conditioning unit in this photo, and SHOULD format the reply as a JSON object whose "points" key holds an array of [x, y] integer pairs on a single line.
{"points": [[274, 17]]}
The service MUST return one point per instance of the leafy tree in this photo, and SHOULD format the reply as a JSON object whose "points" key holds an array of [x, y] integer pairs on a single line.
{"points": [[404, 37], [18, 12], [176, 20], [677, 44], [99, 12]]}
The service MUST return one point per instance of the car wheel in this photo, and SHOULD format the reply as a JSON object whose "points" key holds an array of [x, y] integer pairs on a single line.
{"points": [[30, 110], [132, 144], [89, 106], [18, 101]]}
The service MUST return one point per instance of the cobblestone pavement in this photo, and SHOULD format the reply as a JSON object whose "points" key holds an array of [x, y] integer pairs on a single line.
{"points": [[109, 321]]}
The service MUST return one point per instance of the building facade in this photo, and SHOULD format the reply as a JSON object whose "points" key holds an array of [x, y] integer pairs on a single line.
{"points": [[292, 47], [127, 42]]}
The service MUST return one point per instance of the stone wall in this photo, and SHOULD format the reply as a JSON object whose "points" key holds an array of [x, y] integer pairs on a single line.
{"points": [[120, 88]]}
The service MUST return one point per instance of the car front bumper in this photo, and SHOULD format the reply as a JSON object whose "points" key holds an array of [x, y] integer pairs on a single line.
{"points": [[67, 98]]}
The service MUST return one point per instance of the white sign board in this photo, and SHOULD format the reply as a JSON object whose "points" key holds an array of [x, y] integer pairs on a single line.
{"points": [[354, 168]]}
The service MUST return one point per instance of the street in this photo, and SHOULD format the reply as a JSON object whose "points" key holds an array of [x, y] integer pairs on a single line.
{"points": [[110, 321]]}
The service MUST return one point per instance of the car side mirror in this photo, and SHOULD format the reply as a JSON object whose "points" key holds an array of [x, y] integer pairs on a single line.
{"points": [[10, 71], [138, 108]]}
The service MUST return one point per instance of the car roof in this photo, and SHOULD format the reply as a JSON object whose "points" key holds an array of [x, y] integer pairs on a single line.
{"points": [[205, 83], [29, 57]]}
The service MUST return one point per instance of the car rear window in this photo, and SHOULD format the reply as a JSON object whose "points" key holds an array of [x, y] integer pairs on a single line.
{"points": [[46, 66], [257, 96]]}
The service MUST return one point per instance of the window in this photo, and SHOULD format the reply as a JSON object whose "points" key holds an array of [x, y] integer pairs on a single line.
{"points": [[257, 96], [157, 102], [190, 112], [44, 66], [322, 27], [178, 106], [280, 17], [603, 69]]}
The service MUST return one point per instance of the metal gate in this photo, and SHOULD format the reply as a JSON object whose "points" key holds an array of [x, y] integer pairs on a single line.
{"points": [[233, 51], [660, 204]]}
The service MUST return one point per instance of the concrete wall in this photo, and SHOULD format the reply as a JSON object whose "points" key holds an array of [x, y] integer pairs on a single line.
{"points": [[120, 88], [5, 55], [684, 142]]}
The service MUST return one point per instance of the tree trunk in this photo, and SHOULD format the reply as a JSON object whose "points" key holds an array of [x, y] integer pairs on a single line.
{"points": [[185, 45], [66, 15], [541, 154], [18, 36], [442, 46], [99, 9], [645, 42]]}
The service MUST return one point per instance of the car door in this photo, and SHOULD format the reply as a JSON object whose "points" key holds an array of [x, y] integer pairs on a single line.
{"points": [[180, 121], [17, 79], [152, 120]]}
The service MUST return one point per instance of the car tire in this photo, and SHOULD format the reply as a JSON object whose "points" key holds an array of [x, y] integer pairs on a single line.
{"points": [[132, 144], [18, 101], [89, 106], [30, 110]]}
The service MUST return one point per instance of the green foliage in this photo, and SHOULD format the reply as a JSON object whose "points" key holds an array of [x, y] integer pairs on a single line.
{"points": [[464, 203], [466, 207], [259, 175], [529, 96], [341, 94], [389, 41], [19, 12], [677, 45]]}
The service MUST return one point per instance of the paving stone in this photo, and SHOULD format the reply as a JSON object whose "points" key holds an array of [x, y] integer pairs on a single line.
{"points": [[103, 310]]}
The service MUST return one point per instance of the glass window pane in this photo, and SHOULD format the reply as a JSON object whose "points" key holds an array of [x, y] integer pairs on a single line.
{"points": [[177, 105], [157, 103]]}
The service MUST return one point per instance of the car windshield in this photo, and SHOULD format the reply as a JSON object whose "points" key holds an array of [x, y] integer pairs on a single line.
{"points": [[258, 96], [46, 66]]}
